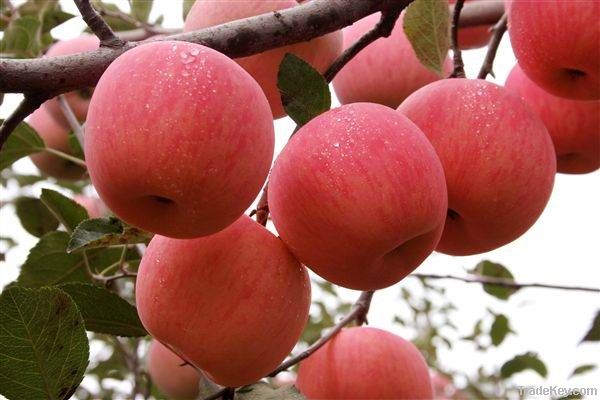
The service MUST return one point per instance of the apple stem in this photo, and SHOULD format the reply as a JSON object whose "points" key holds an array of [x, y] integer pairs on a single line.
{"points": [[459, 66], [97, 25], [488, 63]]}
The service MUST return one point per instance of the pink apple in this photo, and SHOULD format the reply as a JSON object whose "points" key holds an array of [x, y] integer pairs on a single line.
{"points": [[574, 125], [385, 72], [234, 303], [358, 195], [264, 67], [498, 159], [557, 43], [179, 139], [170, 374], [94, 206], [365, 363]]}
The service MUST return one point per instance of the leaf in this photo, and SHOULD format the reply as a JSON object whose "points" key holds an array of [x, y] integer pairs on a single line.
{"points": [[489, 269], [44, 349], [141, 9], [75, 147], [34, 216], [114, 21], [22, 142], [304, 91], [582, 369], [593, 334], [187, 6], [104, 311], [476, 332], [500, 328], [427, 27], [523, 362], [262, 391], [54, 18], [27, 180], [22, 37], [104, 232], [67, 211]]}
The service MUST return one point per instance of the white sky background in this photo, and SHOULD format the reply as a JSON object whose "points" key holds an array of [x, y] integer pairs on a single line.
{"points": [[562, 248]]}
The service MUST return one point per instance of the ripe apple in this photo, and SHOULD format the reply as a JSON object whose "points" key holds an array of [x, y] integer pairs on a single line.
{"points": [[444, 389], [498, 159], [365, 363], [557, 43], [78, 100], [234, 303], [56, 137], [358, 195], [472, 37], [385, 72], [264, 67], [574, 125], [170, 374], [179, 139], [94, 206]]}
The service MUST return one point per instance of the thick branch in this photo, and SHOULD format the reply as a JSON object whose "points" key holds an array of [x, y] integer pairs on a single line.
{"points": [[505, 282], [98, 25], [488, 63], [459, 66]]}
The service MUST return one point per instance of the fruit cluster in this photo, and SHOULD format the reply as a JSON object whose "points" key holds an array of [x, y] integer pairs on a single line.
{"points": [[179, 141]]}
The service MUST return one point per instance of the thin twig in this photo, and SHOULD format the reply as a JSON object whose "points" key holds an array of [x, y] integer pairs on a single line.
{"points": [[488, 63], [71, 118], [459, 66], [26, 107], [505, 282], [126, 18], [97, 25], [358, 314]]}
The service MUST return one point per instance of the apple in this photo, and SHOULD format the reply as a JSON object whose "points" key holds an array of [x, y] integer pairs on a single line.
{"points": [[574, 125], [264, 67], [358, 195], [94, 206], [170, 374], [179, 139], [233, 304], [56, 137], [472, 37], [365, 363], [385, 72], [444, 389], [557, 43], [498, 159], [78, 100]]}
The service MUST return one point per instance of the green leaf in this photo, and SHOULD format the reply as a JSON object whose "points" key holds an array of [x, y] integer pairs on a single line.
{"points": [[304, 91], [141, 9], [187, 6], [500, 328], [104, 311], [67, 211], [26, 180], [427, 27], [75, 146], [476, 332], [54, 18], [34, 216], [44, 349], [593, 334], [22, 37], [262, 391], [582, 369], [493, 270], [104, 232], [115, 22], [22, 142], [523, 362]]}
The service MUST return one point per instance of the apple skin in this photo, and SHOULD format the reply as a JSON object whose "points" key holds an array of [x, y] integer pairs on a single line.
{"points": [[358, 195], [498, 158], [320, 52], [234, 303], [170, 376], [557, 44], [365, 363], [574, 125], [444, 389], [473, 37], [55, 136], [181, 133], [79, 101], [94, 206], [385, 72]]}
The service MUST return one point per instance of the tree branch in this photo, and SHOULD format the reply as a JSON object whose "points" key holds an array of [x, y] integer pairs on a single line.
{"points": [[505, 282], [26, 107], [488, 63], [459, 66], [98, 25]]}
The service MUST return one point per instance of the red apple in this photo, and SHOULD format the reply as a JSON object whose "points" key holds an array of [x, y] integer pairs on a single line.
{"points": [[574, 125], [234, 303], [94, 206], [78, 100], [444, 389], [557, 43], [498, 159], [179, 139], [385, 72], [365, 363], [264, 67], [56, 137], [358, 195], [170, 374]]}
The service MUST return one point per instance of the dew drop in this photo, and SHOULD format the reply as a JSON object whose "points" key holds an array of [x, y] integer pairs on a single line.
{"points": [[194, 51]]}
